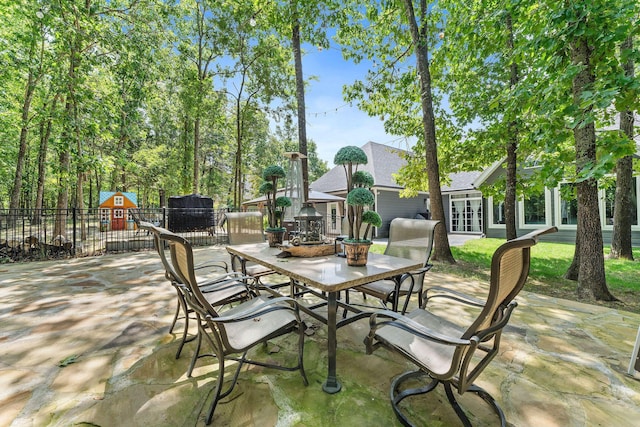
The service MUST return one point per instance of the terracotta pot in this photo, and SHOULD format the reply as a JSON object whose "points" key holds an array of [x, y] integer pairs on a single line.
{"points": [[275, 238], [356, 252]]}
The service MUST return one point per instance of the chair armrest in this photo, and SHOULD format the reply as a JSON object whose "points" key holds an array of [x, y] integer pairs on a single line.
{"points": [[221, 285], [422, 270], [226, 277], [213, 264], [442, 292], [259, 310], [409, 325]]}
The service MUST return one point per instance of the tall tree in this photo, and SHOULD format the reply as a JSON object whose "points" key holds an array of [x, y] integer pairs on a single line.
{"points": [[420, 31], [573, 46], [621, 245], [396, 37], [482, 76]]}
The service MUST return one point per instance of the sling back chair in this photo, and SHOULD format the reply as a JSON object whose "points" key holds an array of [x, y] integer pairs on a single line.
{"points": [[244, 228], [239, 328], [220, 289], [443, 350], [410, 239]]}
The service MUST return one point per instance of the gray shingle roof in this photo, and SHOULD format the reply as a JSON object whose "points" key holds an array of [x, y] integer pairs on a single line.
{"points": [[384, 161]]}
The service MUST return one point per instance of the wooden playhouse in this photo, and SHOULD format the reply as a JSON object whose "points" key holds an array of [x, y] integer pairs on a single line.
{"points": [[114, 210]]}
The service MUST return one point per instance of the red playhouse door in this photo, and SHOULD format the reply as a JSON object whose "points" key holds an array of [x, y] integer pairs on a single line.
{"points": [[117, 220]]}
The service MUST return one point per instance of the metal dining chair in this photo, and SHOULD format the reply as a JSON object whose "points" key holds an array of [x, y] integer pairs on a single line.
{"points": [[240, 328], [445, 349]]}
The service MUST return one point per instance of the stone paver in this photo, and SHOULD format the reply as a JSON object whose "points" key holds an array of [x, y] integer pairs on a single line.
{"points": [[86, 342]]}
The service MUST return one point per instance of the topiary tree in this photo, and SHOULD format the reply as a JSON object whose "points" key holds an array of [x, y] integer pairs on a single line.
{"points": [[358, 199], [271, 175], [282, 203], [350, 157], [362, 179]]}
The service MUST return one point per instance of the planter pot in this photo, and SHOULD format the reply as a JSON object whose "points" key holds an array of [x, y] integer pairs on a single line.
{"points": [[275, 238], [356, 252]]}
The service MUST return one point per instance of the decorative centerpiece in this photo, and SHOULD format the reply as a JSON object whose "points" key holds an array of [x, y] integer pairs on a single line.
{"points": [[275, 205], [359, 197]]}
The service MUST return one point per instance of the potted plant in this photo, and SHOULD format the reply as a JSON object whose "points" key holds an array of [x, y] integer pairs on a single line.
{"points": [[357, 248], [359, 198], [275, 205], [350, 157]]}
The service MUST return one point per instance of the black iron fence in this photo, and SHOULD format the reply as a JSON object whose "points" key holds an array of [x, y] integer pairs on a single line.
{"points": [[41, 234]]}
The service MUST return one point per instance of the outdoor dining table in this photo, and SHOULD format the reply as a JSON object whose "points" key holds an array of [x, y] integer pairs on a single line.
{"points": [[325, 276]]}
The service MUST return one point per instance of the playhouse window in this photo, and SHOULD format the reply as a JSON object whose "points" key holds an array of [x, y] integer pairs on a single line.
{"points": [[118, 200]]}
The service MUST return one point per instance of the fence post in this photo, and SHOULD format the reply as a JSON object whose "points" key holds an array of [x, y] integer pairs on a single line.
{"points": [[74, 228]]}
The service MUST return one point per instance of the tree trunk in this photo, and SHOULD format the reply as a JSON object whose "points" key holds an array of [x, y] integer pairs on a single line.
{"points": [[512, 147], [45, 134], [591, 277], [196, 158], [237, 189], [22, 150], [621, 245], [64, 160], [302, 119], [441, 248], [572, 271]]}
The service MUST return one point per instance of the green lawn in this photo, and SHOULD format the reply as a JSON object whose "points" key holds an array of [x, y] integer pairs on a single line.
{"points": [[549, 262]]}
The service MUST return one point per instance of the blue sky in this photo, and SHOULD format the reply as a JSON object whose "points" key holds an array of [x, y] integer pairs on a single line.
{"points": [[331, 122]]}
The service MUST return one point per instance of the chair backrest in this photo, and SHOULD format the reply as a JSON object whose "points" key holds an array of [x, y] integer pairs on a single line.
{"points": [[244, 227], [183, 263], [135, 215], [509, 271], [159, 244], [411, 239]]}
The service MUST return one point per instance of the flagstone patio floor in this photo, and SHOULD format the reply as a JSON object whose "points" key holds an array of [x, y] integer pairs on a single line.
{"points": [[85, 342]]}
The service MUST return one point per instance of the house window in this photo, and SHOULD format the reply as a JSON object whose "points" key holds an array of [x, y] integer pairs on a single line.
{"points": [[466, 213], [568, 211], [118, 213], [534, 210], [496, 213], [105, 215], [118, 200]]}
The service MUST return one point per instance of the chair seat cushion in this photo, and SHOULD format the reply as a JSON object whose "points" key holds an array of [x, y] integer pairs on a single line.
{"points": [[245, 333], [219, 293], [256, 270], [430, 355], [383, 288]]}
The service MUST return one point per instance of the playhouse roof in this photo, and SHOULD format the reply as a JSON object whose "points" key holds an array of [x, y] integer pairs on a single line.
{"points": [[106, 195]]}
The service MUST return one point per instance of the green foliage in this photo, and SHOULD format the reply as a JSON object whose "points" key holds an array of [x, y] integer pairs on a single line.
{"points": [[273, 173], [283, 202], [350, 155], [266, 187], [372, 217], [362, 179], [360, 197]]}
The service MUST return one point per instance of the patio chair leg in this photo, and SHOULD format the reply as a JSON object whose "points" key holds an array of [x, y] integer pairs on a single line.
{"points": [[184, 334], [301, 328], [175, 316], [481, 393], [218, 393], [216, 390], [196, 353], [398, 395]]}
